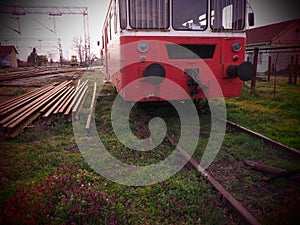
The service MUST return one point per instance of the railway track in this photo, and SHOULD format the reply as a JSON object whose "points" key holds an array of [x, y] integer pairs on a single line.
{"points": [[243, 213], [32, 73], [263, 137], [246, 216]]}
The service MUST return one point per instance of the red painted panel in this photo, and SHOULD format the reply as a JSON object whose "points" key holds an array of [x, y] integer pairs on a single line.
{"points": [[126, 64]]}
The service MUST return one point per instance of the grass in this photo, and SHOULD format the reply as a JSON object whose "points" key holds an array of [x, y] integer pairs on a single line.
{"points": [[277, 118], [53, 185], [47, 181]]}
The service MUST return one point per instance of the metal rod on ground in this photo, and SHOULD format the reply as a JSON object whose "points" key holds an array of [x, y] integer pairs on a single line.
{"points": [[244, 214], [16, 99], [264, 137], [15, 132], [56, 102], [263, 167], [77, 93], [23, 109], [58, 94], [78, 84], [29, 106], [22, 101], [16, 119], [68, 96], [77, 107], [19, 119], [66, 104], [89, 119]]}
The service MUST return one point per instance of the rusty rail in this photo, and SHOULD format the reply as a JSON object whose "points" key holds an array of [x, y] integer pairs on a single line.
{"points": [[53, 99], [33, 73], [89, 119], [267, 139], [245, 216]]}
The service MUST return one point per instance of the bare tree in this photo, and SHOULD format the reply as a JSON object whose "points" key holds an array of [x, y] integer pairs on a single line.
{"points": [[78, 46]]}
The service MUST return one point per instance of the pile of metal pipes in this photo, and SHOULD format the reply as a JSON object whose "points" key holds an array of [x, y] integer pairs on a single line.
{"points": [[53, 99]]}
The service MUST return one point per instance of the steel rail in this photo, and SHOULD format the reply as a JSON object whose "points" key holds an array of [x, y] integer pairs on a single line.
{"points": [[79, 104], [67, 103], [58, 95], [67, 97], [54, 103], [28, 106], [19, 98], [26, 74], [32, 110], [15, 99], [89, 119], [25, 100], [17, 117], [78, 90], [267, 139], [244, 214], [14, 133]]}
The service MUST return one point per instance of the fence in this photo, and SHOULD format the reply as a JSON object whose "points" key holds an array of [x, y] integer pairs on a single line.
{"points": [[278, 64]]}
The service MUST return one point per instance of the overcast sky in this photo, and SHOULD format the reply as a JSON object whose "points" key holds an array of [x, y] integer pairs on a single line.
{"points": [[69, 26]]}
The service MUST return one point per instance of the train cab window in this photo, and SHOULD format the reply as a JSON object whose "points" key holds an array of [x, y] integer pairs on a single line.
{"points": [[112, 24], [123, 14], [227, 15], [149, 14], [115, 16], [189, 14], [109, 31]]}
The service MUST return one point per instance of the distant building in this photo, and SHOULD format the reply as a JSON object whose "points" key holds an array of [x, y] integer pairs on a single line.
{"points": [[283, 34], [8, 57]]}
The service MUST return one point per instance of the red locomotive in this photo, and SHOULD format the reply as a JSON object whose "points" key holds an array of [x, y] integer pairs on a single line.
{"points": [[188, 42]]}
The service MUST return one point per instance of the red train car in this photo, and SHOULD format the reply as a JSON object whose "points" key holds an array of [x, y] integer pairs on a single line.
{"points": [[189, 43]]}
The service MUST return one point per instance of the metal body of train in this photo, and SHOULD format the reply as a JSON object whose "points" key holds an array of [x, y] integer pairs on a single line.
{"points": [[189, 43]]}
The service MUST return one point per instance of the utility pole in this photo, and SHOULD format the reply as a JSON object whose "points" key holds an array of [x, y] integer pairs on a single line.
{"points": [[53, 11]]}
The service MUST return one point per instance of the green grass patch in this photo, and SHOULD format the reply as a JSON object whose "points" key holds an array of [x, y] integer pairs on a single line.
{"points": [[277, 118]]}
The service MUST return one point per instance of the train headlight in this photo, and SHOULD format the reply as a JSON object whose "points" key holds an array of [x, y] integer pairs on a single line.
{"points": [[143, 46], [155, 73], [236, 46]]}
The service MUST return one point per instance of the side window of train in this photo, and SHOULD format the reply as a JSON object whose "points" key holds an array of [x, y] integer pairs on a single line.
{"points": [[115, 16], [106, 36], [103, 44], [122, 12], [109, 30]]}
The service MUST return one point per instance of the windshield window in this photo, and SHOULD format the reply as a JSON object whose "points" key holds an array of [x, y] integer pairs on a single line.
{"points": [[189, 14], [149, 14], [227, 14]]}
